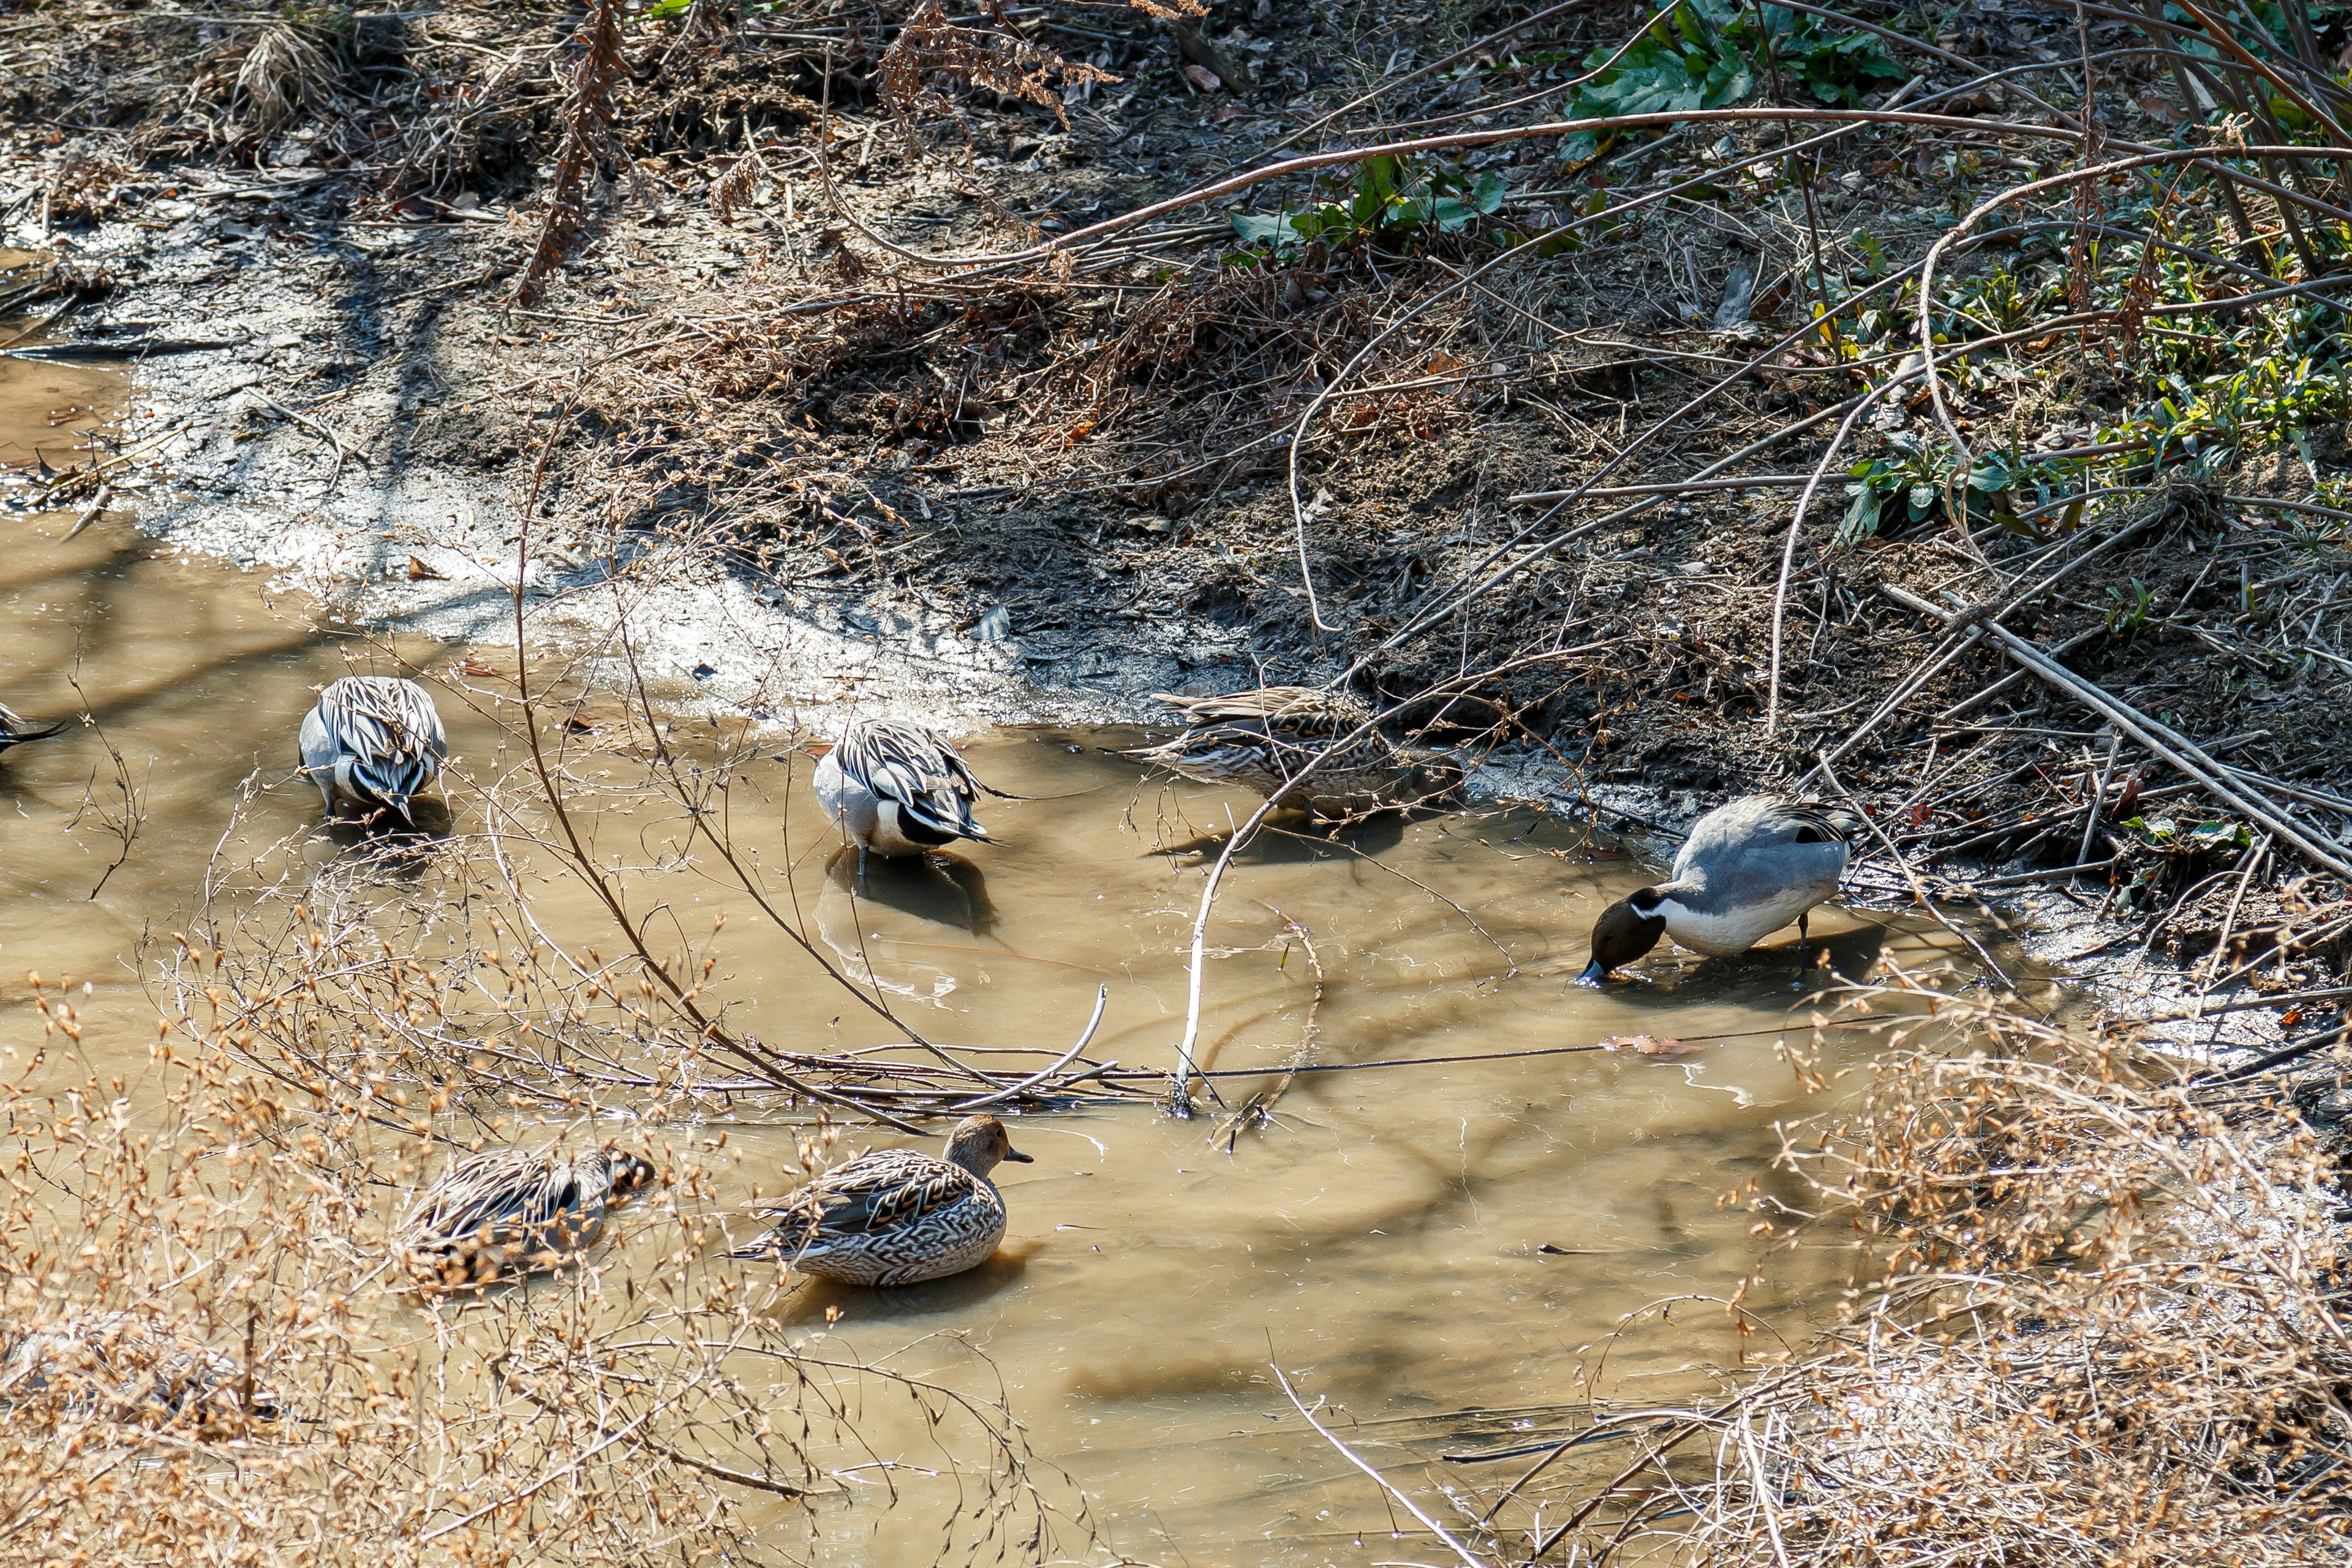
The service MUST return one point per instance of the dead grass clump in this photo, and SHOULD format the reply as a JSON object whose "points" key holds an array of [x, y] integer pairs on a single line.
{"points": [[284, 71], [2105, 1327], [588, 146]]}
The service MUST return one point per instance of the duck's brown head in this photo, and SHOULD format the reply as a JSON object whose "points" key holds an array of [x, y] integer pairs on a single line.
{"points": [[979, 1143], [1625, 931]]}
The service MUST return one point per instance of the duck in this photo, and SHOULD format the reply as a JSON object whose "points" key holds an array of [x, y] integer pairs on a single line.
{"points": [[16, 729], [897, 789], [374, 743], [896, 1217], [1261, 740], [497, 1210], [133, 1367], [1748, 869]]}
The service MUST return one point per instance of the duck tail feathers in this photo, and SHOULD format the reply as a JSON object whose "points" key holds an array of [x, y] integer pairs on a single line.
{"points": [[395, 784], [18, 733], [947, 813]]}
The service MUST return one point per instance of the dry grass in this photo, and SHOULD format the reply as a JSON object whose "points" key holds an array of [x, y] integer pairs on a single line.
{"points": [[210, 1357], [2099, 1319]]}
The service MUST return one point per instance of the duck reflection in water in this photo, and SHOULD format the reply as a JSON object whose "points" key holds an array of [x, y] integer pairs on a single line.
{"points": [[944, 889], [1827, 960], [811, 1299], [878, 923]]}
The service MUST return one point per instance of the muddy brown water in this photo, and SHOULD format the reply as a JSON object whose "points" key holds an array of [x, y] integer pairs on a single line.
{"points": [[1434, 1250]]}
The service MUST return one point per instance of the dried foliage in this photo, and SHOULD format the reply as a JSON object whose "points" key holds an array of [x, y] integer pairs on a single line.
{"points": [[738, 184], [283, 72], [2099, 1319], [588, 146], [929, 46], [212, 1353]]}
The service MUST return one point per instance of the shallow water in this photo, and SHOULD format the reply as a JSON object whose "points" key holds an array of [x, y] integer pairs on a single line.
{"points": [[1427, 1247]]}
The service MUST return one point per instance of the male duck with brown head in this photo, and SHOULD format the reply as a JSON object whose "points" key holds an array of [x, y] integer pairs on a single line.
{"points": [[1746, 869]]}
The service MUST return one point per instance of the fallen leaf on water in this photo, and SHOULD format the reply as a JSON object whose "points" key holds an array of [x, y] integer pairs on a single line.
{"points": [[1650, 1046]]}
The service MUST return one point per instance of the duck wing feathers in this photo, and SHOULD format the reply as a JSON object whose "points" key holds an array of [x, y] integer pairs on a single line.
{"points": [[1302, 708], [907, 764], [377, 737], [877, 1194], [1763, 842], [1263, 740], [383, 719]]}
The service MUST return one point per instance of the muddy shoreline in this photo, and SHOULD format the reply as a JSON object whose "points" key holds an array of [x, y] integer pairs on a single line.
{"points": [[392, 503]]}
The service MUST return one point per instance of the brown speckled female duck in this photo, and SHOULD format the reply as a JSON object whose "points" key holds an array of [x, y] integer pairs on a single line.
{"points": [[894, 1216]]}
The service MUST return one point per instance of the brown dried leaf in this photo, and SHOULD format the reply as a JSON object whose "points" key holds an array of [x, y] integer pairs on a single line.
{"points": [[929, 46], [1651, 1046], [736, 187]]}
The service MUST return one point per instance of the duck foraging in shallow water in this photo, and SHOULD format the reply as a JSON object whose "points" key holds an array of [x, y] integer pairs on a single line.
{"points": [[506, 1209], [1746, 869], [897, 789], [896, 1216], [1292, 744], [374, 744]]}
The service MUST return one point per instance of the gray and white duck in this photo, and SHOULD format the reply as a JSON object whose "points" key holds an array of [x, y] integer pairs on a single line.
{"points": [[896, 1216], [1748, 869], [373, 745], [894, 788], [502, 1211], [1292, 744]]}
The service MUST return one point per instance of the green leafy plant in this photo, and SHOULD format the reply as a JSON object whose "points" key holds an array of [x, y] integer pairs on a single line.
{"points": [[1916, 484], [2133, 605], [1708, 53], [1390, 200], [2197, 838]]}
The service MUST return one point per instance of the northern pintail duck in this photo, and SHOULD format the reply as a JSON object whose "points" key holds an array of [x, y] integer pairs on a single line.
{"points": [[895, 788], [1265, 739], [501, 1210], [374, 743], [16, 729], [132, 1367], [895, 1216], [1746, 869]]}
